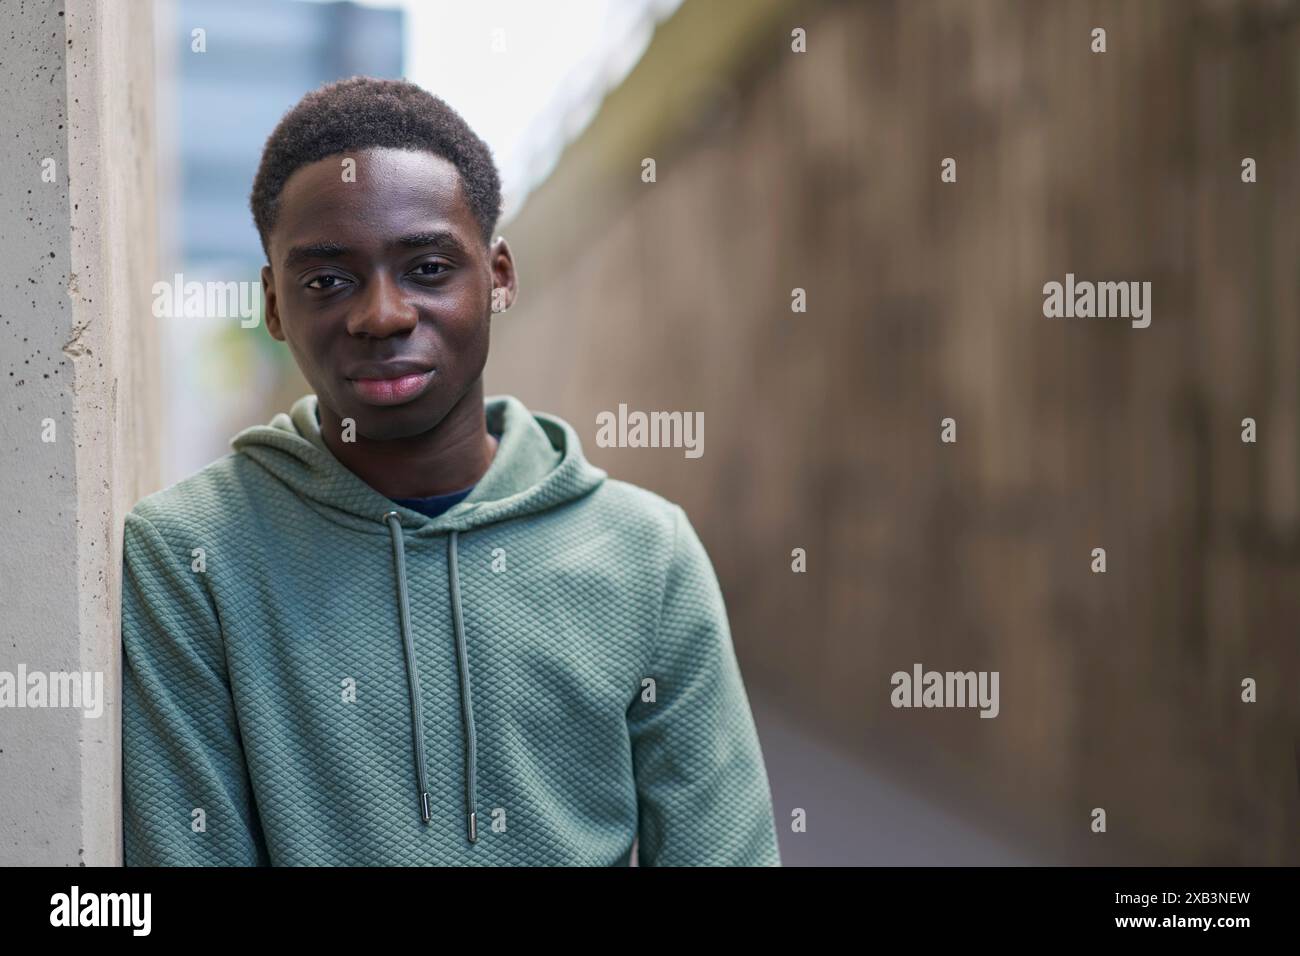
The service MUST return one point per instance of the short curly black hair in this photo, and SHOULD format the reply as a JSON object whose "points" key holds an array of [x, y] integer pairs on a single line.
{"points": [[363, 112]]}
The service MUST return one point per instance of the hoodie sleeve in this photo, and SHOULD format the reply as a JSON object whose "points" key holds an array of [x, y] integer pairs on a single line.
{"points": [[702, 787], [181, 749]]}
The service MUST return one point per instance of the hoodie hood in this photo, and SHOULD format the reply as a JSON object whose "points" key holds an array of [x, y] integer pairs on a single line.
{"points": [[538, 465]]}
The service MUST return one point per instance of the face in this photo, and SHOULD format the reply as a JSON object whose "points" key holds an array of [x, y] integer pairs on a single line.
{"points": [[383, 287]]}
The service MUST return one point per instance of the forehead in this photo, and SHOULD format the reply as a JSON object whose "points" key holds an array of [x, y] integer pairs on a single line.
{"points": [[395, 192]]}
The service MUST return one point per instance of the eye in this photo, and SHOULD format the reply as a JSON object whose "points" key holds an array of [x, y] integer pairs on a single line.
{"points": [[325, 282], [429, 270]]}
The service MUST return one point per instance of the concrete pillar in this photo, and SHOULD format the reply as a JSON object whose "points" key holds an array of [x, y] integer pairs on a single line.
{"points": [[78, 431]]}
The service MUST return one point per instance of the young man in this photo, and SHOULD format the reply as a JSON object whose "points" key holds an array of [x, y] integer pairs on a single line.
{"points": [[403, 624]]}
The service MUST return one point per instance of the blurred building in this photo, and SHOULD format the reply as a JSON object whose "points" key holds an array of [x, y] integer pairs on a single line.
{"points": [[262, 55]]}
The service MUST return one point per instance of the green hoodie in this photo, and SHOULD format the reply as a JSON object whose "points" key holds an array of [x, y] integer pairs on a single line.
{"points": [[316, 675]]}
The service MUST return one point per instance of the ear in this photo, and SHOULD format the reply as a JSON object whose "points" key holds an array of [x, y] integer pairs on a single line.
{"points": [[505, 287], [272, 306]]}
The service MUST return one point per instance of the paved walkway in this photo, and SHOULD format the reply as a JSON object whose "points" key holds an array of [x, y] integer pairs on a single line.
{"points": [[857, 814]]}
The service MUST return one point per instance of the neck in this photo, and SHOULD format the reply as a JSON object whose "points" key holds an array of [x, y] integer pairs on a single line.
{"points": [[452, 455]]}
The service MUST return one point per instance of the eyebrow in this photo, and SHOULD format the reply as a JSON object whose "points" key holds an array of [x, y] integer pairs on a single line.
{"points": [[438, 238]]}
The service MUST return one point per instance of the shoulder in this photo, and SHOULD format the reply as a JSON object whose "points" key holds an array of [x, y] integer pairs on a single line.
{"points": [[658, 529], [222, 494], [636, 510]]}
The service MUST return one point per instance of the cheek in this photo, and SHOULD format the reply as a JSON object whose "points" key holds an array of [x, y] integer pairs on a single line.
{"points": [[466, 322], [293, 337], [473, 299], [467, 347], [306, 349]]}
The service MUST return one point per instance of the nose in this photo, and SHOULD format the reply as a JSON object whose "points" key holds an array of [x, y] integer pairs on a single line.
{"points": [[384, 310]]}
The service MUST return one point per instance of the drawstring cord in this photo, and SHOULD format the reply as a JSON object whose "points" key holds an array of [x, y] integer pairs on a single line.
{"points": [[412, 674], [467, 710], [394, 522]]}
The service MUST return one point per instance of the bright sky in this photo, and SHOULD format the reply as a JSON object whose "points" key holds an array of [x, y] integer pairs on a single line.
{"points": [[527, 77]]}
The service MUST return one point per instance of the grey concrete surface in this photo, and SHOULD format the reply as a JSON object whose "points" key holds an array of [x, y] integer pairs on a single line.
{"points": [[78, 370]]}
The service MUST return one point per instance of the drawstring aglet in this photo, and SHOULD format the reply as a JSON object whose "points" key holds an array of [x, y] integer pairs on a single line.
{"points": [[473, 826], [425, 815]]}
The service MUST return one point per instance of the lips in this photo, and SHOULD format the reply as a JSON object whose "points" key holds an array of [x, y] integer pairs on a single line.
{"points": [[389, 383]]}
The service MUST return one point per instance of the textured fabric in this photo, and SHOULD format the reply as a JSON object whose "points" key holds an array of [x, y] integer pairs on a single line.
{"points": [[268, 715]]}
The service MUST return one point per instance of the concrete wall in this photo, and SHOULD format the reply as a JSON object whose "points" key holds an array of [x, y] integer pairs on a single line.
{"points": [[822, 171], [77, 257]]}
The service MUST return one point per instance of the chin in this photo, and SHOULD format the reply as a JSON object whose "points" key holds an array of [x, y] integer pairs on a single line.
{"points": [[391, 422]]}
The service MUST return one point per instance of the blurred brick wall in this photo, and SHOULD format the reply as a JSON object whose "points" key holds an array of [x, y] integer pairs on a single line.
{"points": [[821, 171]]}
